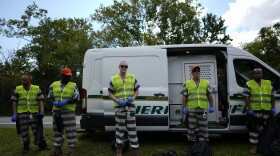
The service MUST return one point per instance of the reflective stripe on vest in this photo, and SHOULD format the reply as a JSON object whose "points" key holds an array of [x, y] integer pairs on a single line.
{"points": [[66, 94], [125, 89], [197, 96], [260, 97], [27, 99]]}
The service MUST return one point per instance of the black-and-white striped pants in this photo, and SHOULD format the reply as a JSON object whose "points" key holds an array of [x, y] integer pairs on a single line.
{"points": [[69, 125], [196, 119], [126, 121], [254, 136], [26, 121]]}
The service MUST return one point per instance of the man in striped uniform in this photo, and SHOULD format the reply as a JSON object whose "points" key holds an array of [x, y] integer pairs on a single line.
{"points": [[123, 90], [196, 94], [28, 109], [260, 102], [63, 95]]}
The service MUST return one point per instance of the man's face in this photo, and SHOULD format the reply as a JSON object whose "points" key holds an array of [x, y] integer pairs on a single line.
{"points": [[65, 79], [196, 72], [257, 74], [25, 80], [123, 67]]}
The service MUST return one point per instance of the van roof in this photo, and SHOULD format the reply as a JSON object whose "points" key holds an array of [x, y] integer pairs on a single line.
{"points": [[233, 51]]}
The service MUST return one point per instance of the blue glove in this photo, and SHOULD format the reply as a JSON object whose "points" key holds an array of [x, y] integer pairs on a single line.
{"points": [[273, 111], [211, 109], [122, 102], [62, 103], [14, 118], [185, 111], [41, 114], [250, 112], [55, 103], [130, 99]]}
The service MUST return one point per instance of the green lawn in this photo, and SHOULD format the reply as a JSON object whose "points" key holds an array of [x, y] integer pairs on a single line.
{"points": [[98, 144]]}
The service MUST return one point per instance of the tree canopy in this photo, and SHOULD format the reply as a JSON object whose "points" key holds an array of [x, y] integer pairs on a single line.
{"points": [[153, 22], [52, 45], [266, 45]]}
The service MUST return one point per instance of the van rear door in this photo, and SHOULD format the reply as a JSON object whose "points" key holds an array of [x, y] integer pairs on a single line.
{"points": [[149, 65]]}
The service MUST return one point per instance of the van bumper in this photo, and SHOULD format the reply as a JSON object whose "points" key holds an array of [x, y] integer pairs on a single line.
{"points": [[92, 121]]}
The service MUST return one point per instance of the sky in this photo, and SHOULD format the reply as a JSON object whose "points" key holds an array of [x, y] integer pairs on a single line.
{"points": [[243, 18]]}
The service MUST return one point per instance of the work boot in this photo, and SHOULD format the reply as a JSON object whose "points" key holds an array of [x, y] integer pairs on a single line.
{"points": [[56, 152], [135, 152], [25, 150], [73, 151], [253, 150], [44, 146], [119, 152], [191, 144]]}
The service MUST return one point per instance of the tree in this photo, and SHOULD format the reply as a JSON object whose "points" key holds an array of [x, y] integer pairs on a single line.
{"points": [[151, 22], [266, 45], [53, 44]]}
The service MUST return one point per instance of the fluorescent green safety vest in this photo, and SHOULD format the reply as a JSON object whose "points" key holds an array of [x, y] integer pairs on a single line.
{"points": [[125, 89], [66, 94], [260, 97], [197, 96], [27, 99]]}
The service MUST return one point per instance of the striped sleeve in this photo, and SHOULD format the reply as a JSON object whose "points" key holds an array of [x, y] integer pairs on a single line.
{"points": [[15, 96], [40, 96], [136, 85], [246, 91]]}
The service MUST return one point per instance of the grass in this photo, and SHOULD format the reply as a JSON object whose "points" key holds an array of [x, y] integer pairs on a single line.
{"points": [[98, 144]]}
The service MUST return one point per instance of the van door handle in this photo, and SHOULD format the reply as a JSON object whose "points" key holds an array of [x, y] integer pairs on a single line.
{"points": [[101, 92], [239, 95], [159, 94]]}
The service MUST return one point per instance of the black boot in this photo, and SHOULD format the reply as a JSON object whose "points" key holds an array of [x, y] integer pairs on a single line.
{"points": [[191, 144], [26, 149], [43, 145]]}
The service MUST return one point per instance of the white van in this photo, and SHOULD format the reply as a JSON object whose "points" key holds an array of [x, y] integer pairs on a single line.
{"points": [[161, 72]]}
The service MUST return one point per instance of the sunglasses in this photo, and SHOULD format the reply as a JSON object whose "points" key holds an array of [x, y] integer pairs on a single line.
{"points": [[196, 70], [122, 66]]}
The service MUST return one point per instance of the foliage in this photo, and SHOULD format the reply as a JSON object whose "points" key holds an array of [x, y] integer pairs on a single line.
{"points": [[267, 45], [52, 45], [152, 22]]}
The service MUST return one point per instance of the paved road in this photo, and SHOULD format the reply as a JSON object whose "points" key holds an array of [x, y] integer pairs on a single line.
{"points": [[47, 120]]}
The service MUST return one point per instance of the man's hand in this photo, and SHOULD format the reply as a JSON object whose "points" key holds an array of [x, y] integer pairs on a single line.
{"points": [[14, 118], [63, 103], [122, 102], [185, 111], [211, 109], [250, 112], [130, 99], [273, 111], [55, 103]]}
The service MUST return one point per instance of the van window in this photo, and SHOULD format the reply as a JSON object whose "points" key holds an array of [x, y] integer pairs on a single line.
{"points": [[243, 68]]}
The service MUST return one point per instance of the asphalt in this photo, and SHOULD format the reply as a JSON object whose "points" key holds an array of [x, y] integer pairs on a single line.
{"points": [[5, 122]]}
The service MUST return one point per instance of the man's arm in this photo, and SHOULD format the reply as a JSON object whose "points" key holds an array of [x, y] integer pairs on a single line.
{"points": [[135, 94], [50, 94], [272, 101], [247, 102], [246, 95], [113, 97], [41, 104], [14, 107], [210, 98], [75, 97], [184, 100]]}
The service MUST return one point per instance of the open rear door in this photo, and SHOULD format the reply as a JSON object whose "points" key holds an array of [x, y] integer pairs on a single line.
{"points": [[208, 70]]}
